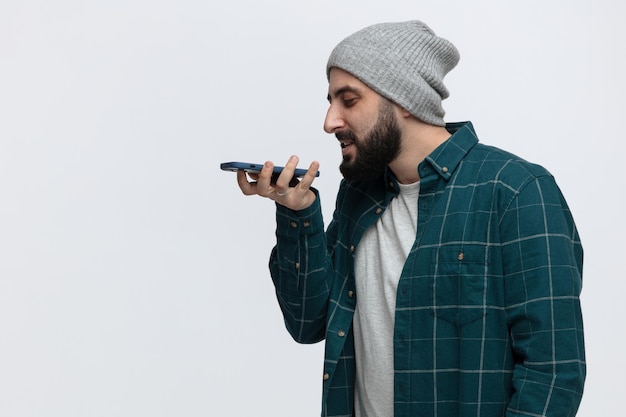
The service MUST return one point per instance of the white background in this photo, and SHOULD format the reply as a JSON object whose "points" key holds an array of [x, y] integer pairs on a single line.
{"points": [[133, 273]]}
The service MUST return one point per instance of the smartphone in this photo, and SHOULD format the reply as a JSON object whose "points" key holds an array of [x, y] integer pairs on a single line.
{"points": [[256, 169]]}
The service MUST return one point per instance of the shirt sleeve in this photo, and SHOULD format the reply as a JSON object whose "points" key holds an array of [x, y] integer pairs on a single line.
{"points": [[542, 258], [301, 271]]}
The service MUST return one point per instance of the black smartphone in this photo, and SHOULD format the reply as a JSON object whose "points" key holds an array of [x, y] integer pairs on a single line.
{"points": [[256, 169]]}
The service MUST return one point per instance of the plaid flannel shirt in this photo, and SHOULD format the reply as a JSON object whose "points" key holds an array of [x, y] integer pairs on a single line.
{"points": [[488, 320]]}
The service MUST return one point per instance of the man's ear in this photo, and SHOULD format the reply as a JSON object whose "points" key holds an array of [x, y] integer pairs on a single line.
{"points": [[404, 113]]}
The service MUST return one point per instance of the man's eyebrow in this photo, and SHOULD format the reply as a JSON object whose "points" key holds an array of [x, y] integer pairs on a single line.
{"points": [[342, 90]]}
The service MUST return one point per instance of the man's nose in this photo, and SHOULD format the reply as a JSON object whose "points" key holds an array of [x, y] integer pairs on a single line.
{"points": [[333, 121]]}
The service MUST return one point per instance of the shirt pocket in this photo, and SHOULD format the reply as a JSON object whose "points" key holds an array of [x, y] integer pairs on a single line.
{"points": [[460, 276]]}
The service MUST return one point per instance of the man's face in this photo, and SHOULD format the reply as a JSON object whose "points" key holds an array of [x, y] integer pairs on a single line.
{"points": [[365, 125]]}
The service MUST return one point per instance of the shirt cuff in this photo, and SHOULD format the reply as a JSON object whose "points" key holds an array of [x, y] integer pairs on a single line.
{"points": [[292, 224]]}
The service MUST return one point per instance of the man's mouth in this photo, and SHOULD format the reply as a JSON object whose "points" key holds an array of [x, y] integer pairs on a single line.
{"points": [[346, 140], [345, 143], [345, 146]]}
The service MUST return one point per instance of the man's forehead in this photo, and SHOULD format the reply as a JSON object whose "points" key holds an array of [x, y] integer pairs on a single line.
{"points": [[341, 81], [338, 75]]}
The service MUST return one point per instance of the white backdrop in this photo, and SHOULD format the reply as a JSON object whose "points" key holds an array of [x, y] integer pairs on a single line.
{"points": [[133, 273]]}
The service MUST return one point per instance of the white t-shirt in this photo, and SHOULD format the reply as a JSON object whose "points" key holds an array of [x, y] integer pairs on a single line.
{"points": [[378, 265]]}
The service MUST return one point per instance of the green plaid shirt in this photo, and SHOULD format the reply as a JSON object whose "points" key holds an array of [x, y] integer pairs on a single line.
{"points": [[488, 320]]}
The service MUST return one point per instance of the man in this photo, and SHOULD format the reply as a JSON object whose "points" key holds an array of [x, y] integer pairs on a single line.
{"points": [[448, 282]]}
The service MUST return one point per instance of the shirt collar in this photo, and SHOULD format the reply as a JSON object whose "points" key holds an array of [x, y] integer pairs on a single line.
{"points": [[447, 156]]}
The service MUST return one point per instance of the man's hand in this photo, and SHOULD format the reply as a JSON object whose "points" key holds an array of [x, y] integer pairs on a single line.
{"points": [[296, 195]]}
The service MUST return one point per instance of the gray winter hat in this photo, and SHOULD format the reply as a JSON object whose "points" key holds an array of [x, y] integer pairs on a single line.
{"points": [[404, 62]]}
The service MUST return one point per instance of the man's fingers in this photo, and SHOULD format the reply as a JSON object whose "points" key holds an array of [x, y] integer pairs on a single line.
{"points": [[284, 180], [309, 177], [264, 182], [288, 190], [246, 187]]}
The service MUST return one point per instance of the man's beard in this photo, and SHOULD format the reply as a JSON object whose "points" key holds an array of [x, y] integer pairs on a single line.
{"points": [[376, 150]]}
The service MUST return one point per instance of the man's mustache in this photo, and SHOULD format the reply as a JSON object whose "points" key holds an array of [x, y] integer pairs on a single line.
{"points": [[346, 135]]}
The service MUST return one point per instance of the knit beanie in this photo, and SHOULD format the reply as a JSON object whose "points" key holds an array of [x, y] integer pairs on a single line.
{"points": [[404, 62]]}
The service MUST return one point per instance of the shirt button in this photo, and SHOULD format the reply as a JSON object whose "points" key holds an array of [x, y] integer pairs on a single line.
{"points": [[341, 333], [326, 377], [297, 265], [444, 170], [351, 248], [306, 224], [460, 256], [379, 210], [294, 224], [351, 294]]}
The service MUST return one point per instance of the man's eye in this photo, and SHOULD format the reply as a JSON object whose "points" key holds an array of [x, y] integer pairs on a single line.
{"points": [[349, 102]]}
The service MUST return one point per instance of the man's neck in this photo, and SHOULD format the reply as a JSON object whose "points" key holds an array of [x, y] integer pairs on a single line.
{"points": [[419, 140]]}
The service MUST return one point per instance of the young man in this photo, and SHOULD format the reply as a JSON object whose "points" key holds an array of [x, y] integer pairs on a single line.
{"points": [[448, 282]]}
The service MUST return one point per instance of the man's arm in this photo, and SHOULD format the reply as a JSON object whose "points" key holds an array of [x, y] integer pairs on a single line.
{"points": [[302, 272], [300, 265], [542, 257]]}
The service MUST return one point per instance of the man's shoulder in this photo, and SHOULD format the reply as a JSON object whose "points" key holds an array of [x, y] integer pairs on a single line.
{"points": [[490, 159], [494, 160]]}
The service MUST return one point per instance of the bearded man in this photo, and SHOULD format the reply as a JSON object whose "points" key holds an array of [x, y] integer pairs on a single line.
{"points": [[448, 280]]}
